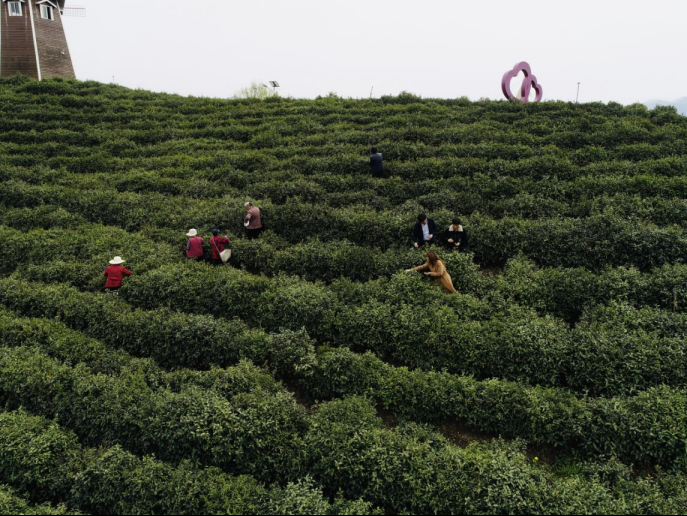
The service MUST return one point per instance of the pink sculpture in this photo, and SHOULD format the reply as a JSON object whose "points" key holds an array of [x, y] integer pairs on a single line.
{"points": [[529, 82]]}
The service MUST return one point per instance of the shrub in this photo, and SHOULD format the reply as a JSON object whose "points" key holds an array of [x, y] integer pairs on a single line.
{"points": [[10, 503], [37, 456]]}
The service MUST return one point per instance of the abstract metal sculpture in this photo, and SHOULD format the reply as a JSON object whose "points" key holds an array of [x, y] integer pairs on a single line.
{"points": [[529, 82]]}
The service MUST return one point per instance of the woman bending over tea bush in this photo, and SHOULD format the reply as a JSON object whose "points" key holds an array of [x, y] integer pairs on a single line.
{"points": [[437, 269]]}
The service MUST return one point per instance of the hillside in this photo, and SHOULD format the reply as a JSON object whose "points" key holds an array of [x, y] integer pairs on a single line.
{"points": [[312, 375]]}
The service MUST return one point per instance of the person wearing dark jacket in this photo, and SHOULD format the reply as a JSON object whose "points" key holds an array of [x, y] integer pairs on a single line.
{"points": [[377, 163], [424, 232], [456, 238]]}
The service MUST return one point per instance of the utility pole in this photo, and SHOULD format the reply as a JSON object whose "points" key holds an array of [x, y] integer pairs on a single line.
{"points": [[371, 91], [578, 93]]}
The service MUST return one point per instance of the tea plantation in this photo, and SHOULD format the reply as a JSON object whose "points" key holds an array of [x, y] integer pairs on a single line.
{"points": [[311, 375]]}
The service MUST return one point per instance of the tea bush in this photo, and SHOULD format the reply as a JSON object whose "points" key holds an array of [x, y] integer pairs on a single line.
{"points": [[244, 433], [113, 481], [10, 503]]}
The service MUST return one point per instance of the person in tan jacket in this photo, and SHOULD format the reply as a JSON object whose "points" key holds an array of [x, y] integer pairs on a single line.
{"points": [[437, 270]]}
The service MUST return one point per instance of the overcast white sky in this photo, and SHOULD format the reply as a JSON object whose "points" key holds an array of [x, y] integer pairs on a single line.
{"points": [[622, 50]]}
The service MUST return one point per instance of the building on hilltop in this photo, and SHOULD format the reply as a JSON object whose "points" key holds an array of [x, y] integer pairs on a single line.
{"points": [[32, 39]]}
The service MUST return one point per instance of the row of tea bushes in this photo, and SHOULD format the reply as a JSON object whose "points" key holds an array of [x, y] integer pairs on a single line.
{"points": [[543, 416], [41, 458], [86, 249], [12, 503], [559, 291], [412, 470], [99, 243], [652, 191], [348, 451], [420, 327], [593, 242], [252, 433], [399, 318], [647, 429], [72, 348], [172, 339], [333, 151], [566, 292]]}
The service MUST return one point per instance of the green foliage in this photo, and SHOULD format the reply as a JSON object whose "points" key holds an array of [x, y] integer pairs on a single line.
{"points": [[117, 482], [547, 416], [255, 91], [37, 456], [10, 503], [292, 353], [113, 481], [543, 416], [304, 498], [567, 332], [251, 432], [173, 339]]}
